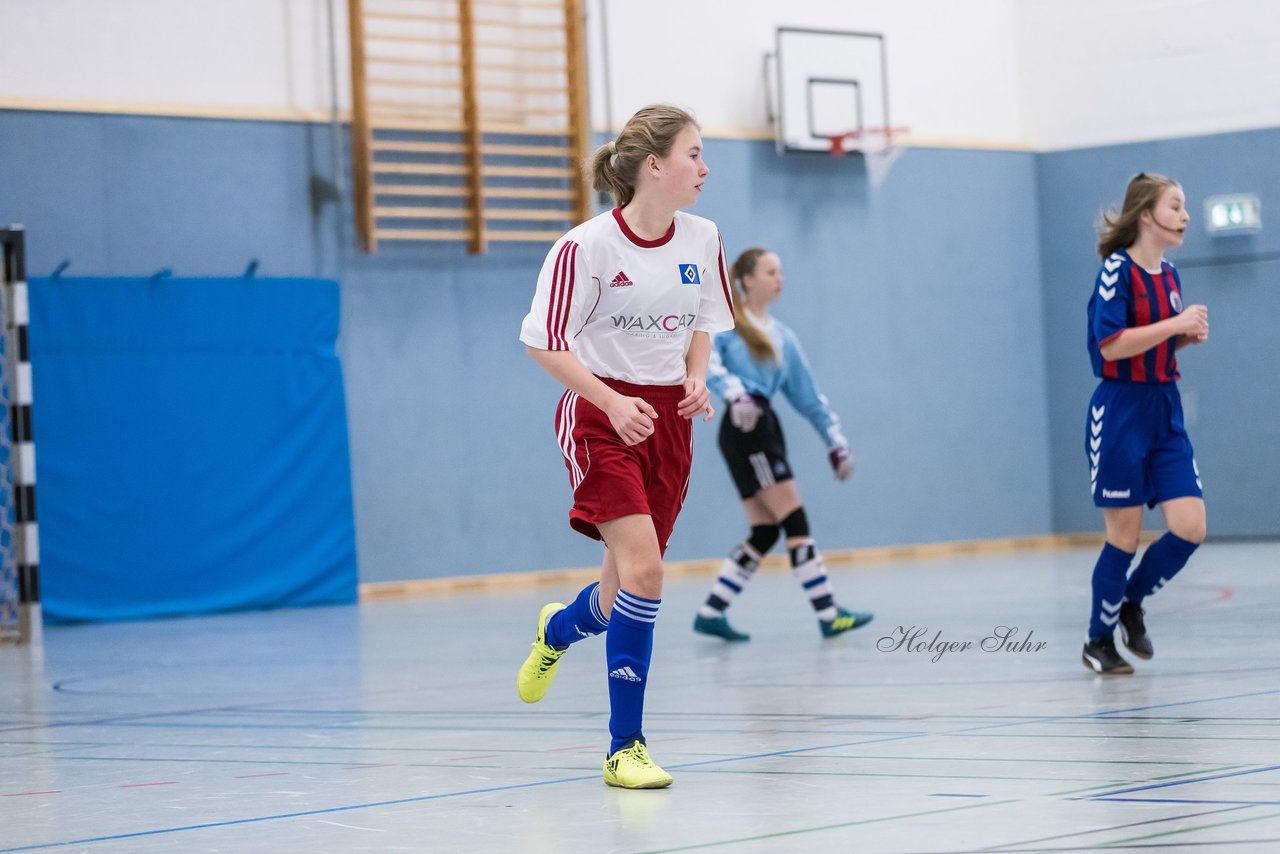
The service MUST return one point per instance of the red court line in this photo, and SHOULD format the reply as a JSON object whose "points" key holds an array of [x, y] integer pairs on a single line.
{"points": [[24, 794], [142, 785]]}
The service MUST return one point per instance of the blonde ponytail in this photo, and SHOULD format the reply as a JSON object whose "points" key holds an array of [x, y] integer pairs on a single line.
{"points": [[653, 130], [756, 339]]}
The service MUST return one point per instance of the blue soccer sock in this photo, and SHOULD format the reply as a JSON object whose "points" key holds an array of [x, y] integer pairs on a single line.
{"points": [[628, 648], [582, 619], [1160, 563], [1108, 590]]}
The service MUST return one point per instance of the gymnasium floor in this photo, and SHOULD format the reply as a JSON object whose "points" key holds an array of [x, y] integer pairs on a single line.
{"points": [[394, 725]]}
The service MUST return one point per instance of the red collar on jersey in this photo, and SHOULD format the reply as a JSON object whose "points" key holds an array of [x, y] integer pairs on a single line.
{"points": [[637, 239]]}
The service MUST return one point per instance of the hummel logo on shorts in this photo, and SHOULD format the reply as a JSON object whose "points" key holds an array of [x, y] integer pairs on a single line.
{"points": [[625, 673]]}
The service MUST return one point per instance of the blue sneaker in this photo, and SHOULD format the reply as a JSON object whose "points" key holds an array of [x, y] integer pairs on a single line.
{"points": [[845, 621], [718, 627]]}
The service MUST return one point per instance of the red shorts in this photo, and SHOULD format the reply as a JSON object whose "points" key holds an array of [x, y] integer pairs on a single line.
{"points": [[612, 479]]}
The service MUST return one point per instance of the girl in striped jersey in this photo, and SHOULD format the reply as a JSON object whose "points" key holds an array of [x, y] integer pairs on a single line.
{"points": [[749, 365], [622, 317], [1138, 448]]}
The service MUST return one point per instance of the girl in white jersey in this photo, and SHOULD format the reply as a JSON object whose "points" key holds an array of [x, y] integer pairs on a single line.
{"points": [[622, 317]]}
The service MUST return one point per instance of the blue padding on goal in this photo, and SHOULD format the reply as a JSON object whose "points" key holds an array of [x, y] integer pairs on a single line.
{"points": [[191, 445]]}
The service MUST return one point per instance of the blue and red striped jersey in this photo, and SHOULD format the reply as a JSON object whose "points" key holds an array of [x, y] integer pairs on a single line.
{"points": [[1126, 295]]}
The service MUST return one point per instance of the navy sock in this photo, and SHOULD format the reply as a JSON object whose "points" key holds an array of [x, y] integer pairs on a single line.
{"points": [[1159, 564], [628, 648], [1108, 590], [582, 619]]}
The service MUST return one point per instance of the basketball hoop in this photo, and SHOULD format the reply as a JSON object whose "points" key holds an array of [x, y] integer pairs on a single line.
{"points": [[866, 141], [875, 147]]}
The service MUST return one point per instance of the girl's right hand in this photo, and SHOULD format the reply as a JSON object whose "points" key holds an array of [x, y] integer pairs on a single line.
{"points": [[1195, 322], [632, 418], [744, 412]]}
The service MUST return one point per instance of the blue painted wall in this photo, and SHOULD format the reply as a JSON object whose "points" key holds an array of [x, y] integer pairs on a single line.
{"points": [[919, 302], [1230, 389]]}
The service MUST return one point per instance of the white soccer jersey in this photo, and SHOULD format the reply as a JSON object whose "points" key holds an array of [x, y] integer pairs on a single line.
{"points": [[628, 307]]}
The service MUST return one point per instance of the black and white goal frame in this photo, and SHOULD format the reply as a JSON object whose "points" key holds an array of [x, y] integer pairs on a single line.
{"points": [[20, 550]]}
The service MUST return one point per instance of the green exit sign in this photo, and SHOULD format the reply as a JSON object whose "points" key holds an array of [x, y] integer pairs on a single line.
{"points": [[1237, 214]]}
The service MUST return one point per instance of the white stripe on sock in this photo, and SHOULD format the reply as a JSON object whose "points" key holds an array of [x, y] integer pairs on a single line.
{"points": [[636, 608]]}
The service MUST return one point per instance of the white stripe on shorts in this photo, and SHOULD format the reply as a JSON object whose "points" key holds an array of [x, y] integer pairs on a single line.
{"points": [[568, 447], [760, 462]]}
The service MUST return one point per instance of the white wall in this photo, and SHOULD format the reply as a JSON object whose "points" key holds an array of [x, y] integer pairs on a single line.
{"points": [[952, 75], [954, 80], [1004, 73], [182, 56], [1105, 71]]}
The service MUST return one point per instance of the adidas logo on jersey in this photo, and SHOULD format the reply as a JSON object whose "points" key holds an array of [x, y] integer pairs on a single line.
{"points": [[621, 280], [624, 673]]}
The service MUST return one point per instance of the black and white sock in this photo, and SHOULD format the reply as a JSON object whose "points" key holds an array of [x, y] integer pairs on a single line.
{"points": [[808, 568], [736, 570]]}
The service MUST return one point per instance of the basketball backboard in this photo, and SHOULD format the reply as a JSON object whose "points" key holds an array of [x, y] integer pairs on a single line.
{"points": [[823, 84]]}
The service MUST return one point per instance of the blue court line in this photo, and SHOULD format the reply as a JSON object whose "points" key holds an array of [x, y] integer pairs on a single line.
{"points": [[584, 729], [1184, 801], [912, 735], [348, 807], [1124, 846], [232, 822], [156, 718], [1187, 703], [724, 760], [1100, 715], [1126, 826], [1148, 788]]}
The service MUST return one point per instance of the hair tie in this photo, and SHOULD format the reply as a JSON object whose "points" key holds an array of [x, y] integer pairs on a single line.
{"points": [[613, 146], [613, 153]]}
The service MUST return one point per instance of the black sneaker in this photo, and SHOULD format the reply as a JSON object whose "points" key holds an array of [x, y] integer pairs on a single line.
{"points": [[1100, 656], [1134, 631]]}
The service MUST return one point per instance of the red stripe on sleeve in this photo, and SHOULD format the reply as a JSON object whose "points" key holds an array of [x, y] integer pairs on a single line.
{"points": [[561, 297], [724, 278], [571, 274], [553, 301]]}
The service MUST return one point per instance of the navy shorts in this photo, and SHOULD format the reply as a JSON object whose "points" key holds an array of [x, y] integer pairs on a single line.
{"points": [[1138, 448], [756, 459]]}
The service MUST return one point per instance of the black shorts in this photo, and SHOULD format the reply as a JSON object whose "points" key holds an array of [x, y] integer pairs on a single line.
{"points": [[756, 459]]}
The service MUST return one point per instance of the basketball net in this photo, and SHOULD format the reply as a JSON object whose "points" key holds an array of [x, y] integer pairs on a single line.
{"points": [[874, 144]]}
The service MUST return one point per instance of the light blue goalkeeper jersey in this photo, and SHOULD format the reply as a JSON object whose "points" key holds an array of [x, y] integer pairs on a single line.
{"points": [[731, 372]]}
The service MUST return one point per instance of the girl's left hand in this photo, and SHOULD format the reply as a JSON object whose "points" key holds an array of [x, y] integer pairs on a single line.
{"points": [[696, 399]]}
